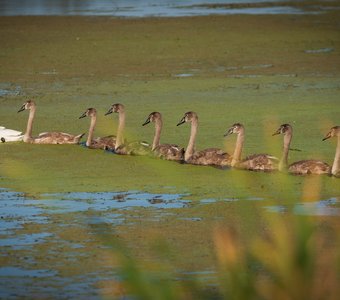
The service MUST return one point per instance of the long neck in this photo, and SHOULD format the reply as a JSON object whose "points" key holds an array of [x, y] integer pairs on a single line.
{"points": [[336, 163], [121, 125], [286, 144], [191, 145], [238, 148], [28, 133], [91, 130], [157, 137]]}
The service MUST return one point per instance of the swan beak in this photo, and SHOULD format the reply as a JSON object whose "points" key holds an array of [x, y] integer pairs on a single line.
{"points": [[327, 136], [110, 111], [83, 115], [229, 132], [277, 132], [22, 108], [146, 122], [181, 121]]}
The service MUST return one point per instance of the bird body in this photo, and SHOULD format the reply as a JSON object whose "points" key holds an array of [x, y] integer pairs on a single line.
{"points": [[210, 156], [121, 146], [254, 162], [165, 151], [45, 137], [302, 167], [335, 132], [106, 143]]}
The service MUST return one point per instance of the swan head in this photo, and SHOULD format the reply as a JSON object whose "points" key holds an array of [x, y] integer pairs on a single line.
{"points": [[188, 117], [283, 129], [90, 112], [335, 131], [27, 105], [235, 128], [115, 108], [153, 117]]}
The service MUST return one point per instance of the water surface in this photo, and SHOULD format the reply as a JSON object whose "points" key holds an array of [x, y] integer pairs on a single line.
{"points": [[141, 8], [45, 239]]}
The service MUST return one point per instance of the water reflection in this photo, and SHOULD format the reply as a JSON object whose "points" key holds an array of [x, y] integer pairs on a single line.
{"points": [[329, 207], [138, 8]]}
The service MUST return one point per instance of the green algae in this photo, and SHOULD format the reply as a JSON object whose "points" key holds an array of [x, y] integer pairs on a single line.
{"points": [[311, 107]]}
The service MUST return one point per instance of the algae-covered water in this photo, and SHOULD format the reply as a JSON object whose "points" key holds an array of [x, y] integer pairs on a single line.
{"points": [[65, 208]]}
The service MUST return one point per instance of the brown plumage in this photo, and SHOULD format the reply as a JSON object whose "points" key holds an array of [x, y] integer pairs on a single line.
{"points": [[45, 137], [210, 156], [165, 151], [107, 142], [335, 132], [302, 167], [121, 146], [254, 162]]}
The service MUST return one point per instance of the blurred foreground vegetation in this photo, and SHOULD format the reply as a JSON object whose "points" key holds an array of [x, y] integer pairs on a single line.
{"points": [[286, 255]]}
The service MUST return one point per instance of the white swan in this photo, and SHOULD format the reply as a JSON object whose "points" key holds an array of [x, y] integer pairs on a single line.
{"points": [[10, 135]]}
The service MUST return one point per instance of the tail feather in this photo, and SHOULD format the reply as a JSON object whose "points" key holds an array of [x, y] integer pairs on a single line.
{"points": [[79, 136]]}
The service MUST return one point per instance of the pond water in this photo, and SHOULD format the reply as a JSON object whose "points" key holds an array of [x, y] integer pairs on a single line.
{"points": [[143, 8], [24, 272]]}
